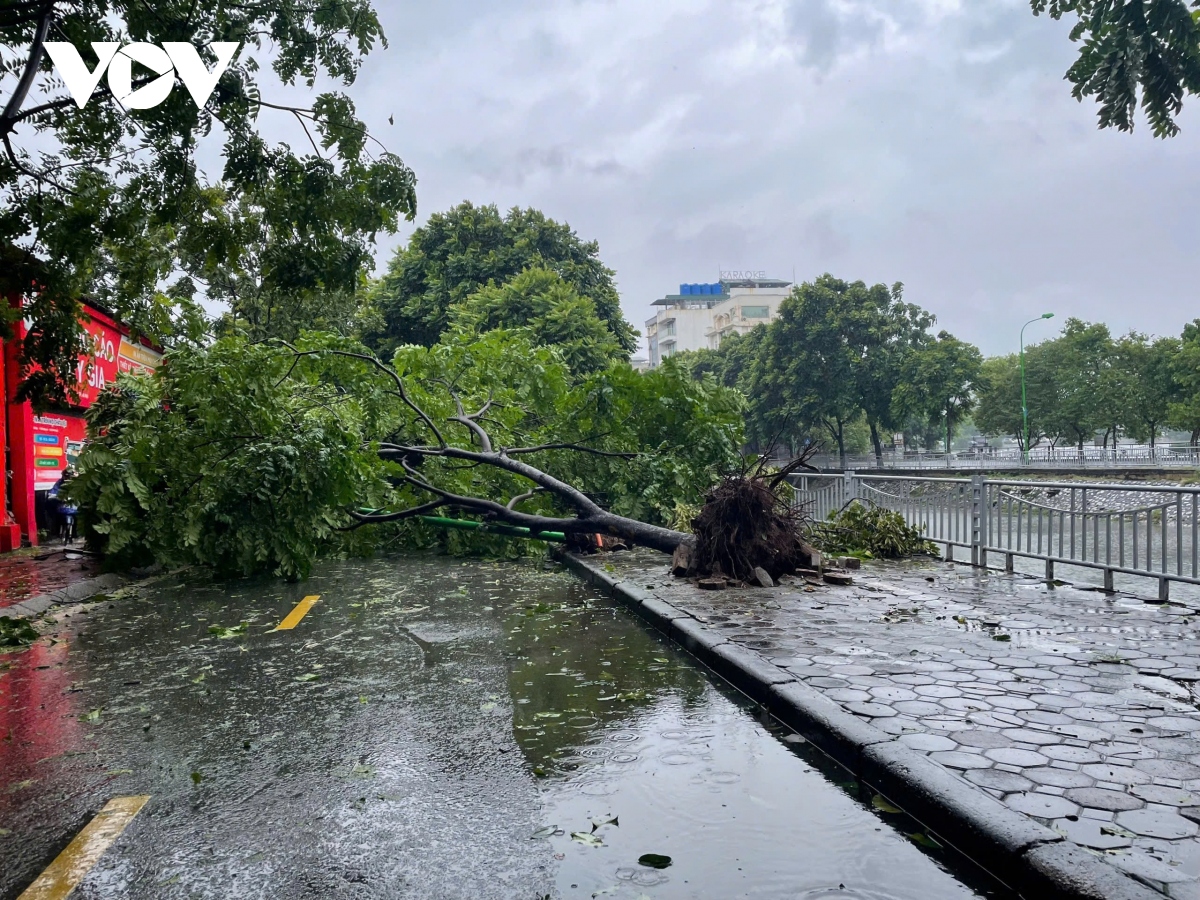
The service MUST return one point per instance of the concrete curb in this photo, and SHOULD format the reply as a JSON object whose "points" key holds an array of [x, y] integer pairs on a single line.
{"points": [[1024, 855], [76, 592]]}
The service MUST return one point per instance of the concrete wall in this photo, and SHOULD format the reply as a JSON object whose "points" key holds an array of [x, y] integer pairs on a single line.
{"points": [[728, 317]]}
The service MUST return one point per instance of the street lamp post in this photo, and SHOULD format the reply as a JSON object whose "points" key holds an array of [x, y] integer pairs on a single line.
{"points": [[1024, 402]]}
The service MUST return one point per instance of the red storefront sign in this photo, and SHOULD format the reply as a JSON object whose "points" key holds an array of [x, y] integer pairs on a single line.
{"points": [[98, 365], [40, 447], [57, 442], [56, 439]]}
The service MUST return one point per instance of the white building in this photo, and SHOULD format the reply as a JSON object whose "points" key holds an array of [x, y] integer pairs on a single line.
{"points": [[702, 315]]}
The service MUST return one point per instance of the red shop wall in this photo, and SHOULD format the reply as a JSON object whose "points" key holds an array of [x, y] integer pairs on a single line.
{"points": [[41, 446]]}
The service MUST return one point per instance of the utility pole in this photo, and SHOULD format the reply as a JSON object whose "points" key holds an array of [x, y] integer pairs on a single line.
{"points": [[1024, 403]]}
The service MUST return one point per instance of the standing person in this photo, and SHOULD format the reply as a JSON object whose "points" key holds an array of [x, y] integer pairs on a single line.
{"points": [[65, 511]]}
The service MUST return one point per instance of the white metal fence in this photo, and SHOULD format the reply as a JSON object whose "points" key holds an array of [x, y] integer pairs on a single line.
{"points": [[1167, 456], [1149, 531]]}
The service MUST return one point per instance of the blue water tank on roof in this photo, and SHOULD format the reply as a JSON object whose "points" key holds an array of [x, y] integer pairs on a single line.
{"points": [[685, 289]]}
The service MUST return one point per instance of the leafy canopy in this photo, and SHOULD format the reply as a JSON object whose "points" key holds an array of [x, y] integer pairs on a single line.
{"points": [[249, 457], [112, 203], [551, 312], [459, 252], [1132, 46]]}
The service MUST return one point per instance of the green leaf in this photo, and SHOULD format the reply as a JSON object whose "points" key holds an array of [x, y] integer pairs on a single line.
{"points": [[883, 805], [654, 861], [235, 631]]}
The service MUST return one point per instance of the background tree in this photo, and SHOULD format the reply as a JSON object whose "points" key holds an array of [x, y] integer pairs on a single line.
{"points": [[1184, 412], [457, 253], [891, 333], [805, 376], [1151, 46], [938, 381], [1148, 385], [551, 312], [1080, 359], [110, 202]]}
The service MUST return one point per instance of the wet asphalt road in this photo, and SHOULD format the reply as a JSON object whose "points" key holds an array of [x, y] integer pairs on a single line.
{"points": [[432, 728]]}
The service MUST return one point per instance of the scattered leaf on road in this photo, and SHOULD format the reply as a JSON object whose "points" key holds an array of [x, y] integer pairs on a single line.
{"points": [[654, 861], [883, 806], [236, 631]]}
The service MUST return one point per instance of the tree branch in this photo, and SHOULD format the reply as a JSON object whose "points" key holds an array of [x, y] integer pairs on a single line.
{"points": [[485, 441], [521, 498], [8, 117], [579, 448]]}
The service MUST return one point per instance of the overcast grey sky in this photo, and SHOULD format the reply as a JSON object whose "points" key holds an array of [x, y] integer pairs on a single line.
{"points": [[932, 142]]}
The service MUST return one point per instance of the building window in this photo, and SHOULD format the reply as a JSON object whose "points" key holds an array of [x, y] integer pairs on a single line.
{"points": [[669, 328], [756, 312]]}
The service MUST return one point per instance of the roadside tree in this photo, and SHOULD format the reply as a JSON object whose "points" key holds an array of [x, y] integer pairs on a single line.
{"points": [[938, 382], [459, 252], [110, 202]]}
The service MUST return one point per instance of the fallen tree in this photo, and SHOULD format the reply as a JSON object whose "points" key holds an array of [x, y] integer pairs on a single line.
{"points": [[263, 456], [251, 457]]}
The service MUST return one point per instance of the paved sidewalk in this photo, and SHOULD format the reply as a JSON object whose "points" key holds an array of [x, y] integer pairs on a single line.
{"points": [[1075, 708], [41, 570]]}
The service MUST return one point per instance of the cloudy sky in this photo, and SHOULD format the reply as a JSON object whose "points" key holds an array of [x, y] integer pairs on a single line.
{"points": [[931, 142]]}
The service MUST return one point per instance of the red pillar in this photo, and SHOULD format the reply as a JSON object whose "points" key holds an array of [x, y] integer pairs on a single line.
{"points": [[10, 531], [19, 431]]}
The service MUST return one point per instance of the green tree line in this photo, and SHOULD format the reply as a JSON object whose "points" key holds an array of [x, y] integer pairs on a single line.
{"points": [[846, 364], [1085, 384]]}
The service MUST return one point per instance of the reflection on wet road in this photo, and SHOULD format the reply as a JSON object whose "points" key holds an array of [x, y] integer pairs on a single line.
{"points": [[430, 728]]}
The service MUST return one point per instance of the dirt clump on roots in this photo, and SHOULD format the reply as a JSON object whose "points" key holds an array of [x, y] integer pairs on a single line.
{"points": [[745, 525]]}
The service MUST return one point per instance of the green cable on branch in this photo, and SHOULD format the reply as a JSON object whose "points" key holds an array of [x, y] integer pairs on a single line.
{"points": [[556, 537]]}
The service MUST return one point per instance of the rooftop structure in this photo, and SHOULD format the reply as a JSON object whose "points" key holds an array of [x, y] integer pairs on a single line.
{"points": [[702, 315]]}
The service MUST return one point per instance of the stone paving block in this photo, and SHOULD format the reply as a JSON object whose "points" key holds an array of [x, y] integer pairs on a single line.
{"points": [[1099, 798], [1014, 756], [983, 739], [1157, 822], [1042, 806], [1126, 775], [998, 780]]}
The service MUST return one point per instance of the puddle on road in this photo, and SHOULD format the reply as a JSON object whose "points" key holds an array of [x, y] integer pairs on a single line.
{"points": [[431, 728]]}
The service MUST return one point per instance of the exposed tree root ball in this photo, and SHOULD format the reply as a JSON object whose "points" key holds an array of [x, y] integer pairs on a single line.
{"points": [[743, 525]]}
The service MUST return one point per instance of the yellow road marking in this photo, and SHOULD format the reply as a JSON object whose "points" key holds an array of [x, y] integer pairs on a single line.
{"points": [[294, 617], [70, 866]]}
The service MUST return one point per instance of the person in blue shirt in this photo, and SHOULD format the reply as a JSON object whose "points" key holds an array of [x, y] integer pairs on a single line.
{"points": [[66, 511]]}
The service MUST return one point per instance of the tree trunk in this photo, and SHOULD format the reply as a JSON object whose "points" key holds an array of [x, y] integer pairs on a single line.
{"points": [[877, 444]]}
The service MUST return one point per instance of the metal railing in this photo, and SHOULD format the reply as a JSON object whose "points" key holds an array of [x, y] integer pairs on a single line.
{"points": [[1166, 456], [1151, 531]]}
